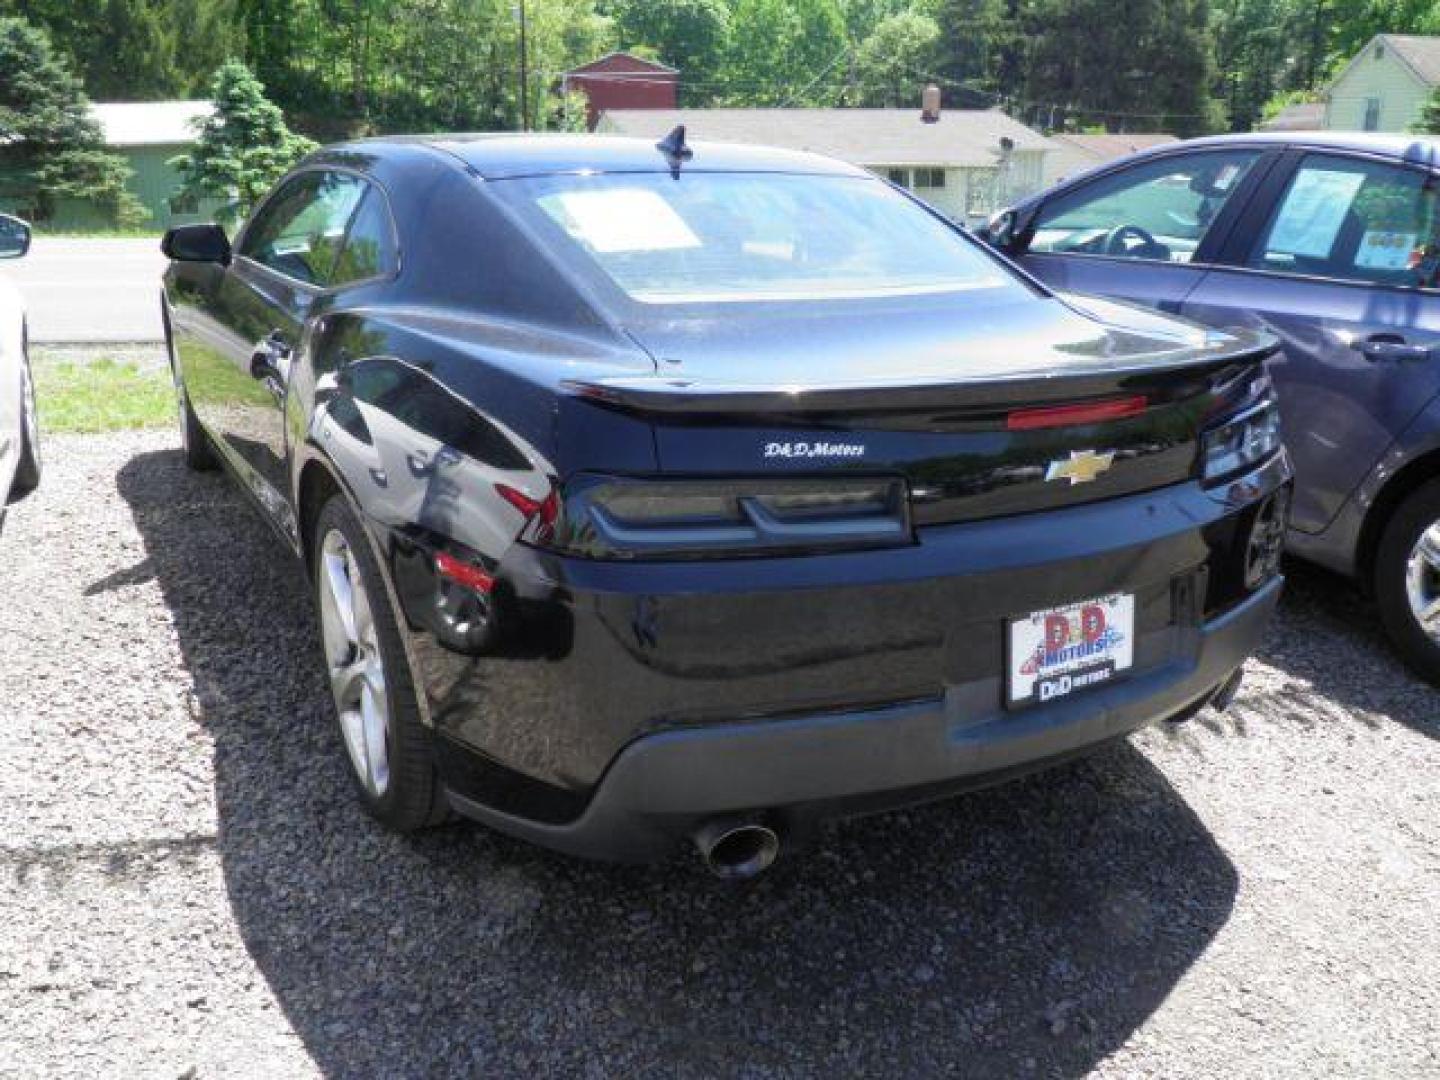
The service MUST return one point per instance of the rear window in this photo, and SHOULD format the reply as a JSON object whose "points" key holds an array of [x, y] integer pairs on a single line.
{"points": [[716, 237]]}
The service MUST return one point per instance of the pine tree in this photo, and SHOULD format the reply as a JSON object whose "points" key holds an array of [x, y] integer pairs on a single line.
{"points": [[243, 147], [1429, 122], [50, 146]]}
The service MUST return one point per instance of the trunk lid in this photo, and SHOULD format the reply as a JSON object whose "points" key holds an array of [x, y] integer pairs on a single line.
{"points": [[972, 405]]}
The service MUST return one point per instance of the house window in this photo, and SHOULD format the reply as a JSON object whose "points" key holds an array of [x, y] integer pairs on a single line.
{"points": [[929, 178], [1372, 114], [898, 176]]}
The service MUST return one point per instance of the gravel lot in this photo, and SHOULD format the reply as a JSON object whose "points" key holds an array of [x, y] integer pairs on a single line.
{"points": [[188, 888]]}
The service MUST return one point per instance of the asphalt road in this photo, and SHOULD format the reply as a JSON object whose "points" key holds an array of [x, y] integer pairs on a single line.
{"points": [[187, 887], [79, 290]]}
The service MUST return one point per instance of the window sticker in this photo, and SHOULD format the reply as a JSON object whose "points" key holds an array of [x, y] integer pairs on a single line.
{"points": [[1313, 211], [1381, 250], [620, 220], [1228, 174]]}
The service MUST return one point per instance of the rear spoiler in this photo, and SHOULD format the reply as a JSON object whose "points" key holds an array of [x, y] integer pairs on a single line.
{"points": [[669, 395]]}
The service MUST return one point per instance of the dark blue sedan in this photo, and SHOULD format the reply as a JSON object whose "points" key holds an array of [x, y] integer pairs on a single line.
{"points": [[1331, 242]]}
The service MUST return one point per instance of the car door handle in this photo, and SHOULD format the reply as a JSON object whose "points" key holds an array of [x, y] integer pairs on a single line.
{"points": [[1382, 348]]}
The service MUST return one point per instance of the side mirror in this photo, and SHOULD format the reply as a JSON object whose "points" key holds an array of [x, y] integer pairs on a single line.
{"points": [[197, 243], [999, 231], [14, 237]]}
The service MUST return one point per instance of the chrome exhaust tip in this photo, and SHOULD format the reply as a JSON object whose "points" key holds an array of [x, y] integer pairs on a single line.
{"points": [[737, 849]]}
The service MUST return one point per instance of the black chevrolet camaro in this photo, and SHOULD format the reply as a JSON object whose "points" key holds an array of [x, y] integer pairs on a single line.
{"points": [[653, 492]]}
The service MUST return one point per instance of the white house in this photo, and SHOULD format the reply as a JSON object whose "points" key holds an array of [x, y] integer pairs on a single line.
{"points": [[1385, 85], [966, 163]]}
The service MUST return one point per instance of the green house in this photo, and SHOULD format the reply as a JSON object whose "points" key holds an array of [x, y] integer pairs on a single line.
{"points": [[147, 134]]}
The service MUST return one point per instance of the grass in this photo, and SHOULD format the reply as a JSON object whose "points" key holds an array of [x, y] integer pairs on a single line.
{"points": [[42, 233], [100, 395]]}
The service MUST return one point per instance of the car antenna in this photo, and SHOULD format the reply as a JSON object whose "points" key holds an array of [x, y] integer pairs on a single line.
{"points": [[674, 148]]}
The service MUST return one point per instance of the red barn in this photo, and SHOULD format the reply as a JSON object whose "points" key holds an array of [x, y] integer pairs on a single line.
{"points": [[622, 81]]}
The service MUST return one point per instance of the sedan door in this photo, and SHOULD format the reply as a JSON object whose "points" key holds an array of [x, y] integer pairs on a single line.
{"points": [[251, 322], [1142, 231], [1339, 258]]}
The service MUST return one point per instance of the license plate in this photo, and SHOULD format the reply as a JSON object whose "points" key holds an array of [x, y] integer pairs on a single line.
{"points": [[1061, 650]]}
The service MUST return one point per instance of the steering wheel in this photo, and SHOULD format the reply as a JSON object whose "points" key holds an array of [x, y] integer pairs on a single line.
{"points": [[1115, 239]]}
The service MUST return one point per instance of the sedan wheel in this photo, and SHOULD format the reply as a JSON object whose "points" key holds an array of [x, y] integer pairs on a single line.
{"points": [[357, 671], [1407, 580], [386, 742], [1422, 581]]}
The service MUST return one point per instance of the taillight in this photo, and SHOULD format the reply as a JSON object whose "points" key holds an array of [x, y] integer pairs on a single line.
{"points": [[1242, 441], [1073, 415], [613, 518]]}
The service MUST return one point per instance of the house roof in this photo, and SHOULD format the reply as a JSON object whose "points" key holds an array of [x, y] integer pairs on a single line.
{"points": [[149, 123], [961, 138], [1105, 146], [1420, 52], [1301, 116], [603, 63]]}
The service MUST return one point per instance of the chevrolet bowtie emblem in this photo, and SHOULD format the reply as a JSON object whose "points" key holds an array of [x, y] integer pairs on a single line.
{"points": [[1081, 467]]}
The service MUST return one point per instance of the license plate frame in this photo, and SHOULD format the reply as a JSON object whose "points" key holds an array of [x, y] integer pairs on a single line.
{"points": [[1092, 651]]}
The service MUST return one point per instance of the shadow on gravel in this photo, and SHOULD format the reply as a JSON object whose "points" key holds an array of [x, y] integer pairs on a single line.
{"points": [[1328, 639], [1029, 928]]}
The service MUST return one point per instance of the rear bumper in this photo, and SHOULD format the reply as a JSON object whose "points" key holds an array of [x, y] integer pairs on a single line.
{"points": [[804, 767]]}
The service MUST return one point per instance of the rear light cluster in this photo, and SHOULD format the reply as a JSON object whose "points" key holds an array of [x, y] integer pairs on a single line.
{"points": [[1244, 440], [613, 518]]}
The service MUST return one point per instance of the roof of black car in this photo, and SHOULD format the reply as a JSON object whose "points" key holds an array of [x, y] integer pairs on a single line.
{"points": [[1422, 148], [497, 156]]}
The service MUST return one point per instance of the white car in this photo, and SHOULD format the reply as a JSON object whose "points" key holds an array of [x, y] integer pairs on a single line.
{"points": [[19, 434]]}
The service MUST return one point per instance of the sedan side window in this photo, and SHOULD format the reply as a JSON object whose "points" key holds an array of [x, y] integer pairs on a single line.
{"points": [[300, 231], [369, 250], [1158, 210], [1355, 220]]}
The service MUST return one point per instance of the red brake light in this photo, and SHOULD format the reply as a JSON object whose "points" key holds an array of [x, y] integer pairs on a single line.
{"points": [[463, 573], [1090, 412]]}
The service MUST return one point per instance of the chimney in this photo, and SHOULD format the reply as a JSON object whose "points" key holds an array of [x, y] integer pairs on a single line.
{"points": [[930, 104]]}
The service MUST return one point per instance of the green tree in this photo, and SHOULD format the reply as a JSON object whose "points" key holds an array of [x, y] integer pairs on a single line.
{"points": [[894, 61], [691, 35], [1429, 122], [244, 147], [1127, 64], [51, 148], [136, 50], [785, 52]]}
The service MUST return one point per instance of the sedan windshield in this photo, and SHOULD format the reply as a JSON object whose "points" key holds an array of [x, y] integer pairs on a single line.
{"points": [[714, 237]]}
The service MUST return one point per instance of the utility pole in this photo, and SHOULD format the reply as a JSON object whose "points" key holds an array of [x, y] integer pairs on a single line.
{"points": [[524, 70]]}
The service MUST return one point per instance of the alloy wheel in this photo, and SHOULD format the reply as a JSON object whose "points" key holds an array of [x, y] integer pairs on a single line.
{"points": [[1422, 581], [353, 660]]}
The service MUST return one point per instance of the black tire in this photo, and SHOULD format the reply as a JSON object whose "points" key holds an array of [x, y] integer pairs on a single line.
{"points": [[194, 443], [414, 798], [27, 472], [1419, 511]]}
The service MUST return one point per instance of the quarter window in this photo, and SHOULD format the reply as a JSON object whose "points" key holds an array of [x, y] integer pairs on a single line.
{"points": [[301, 230], [369, 250], [1157, 210], [1355, 220]]}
